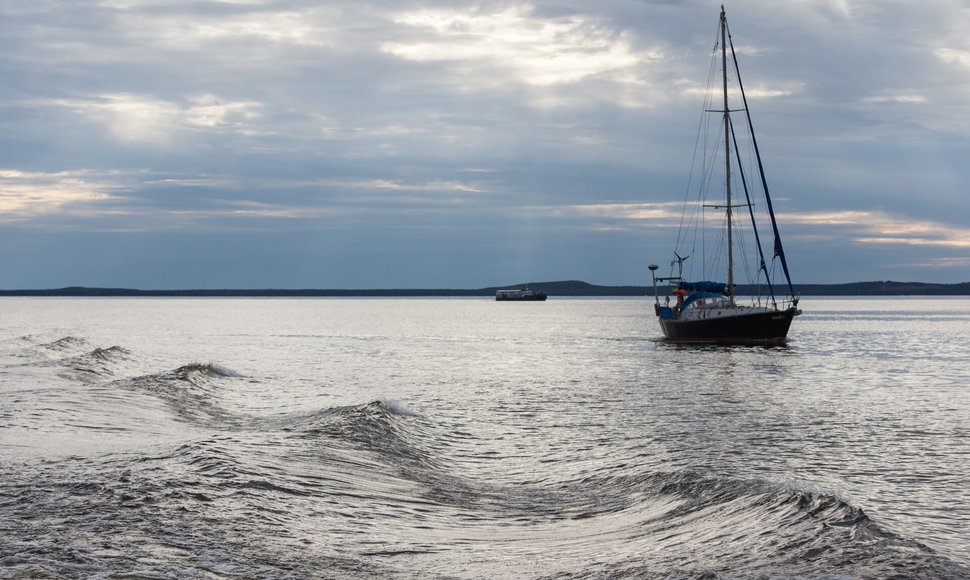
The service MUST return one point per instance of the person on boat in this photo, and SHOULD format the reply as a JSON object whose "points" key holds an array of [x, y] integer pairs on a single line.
{"points": [[681, 293]]}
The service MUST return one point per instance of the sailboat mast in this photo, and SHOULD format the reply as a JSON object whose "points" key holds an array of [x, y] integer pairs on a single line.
{"points": [[727, 158]]}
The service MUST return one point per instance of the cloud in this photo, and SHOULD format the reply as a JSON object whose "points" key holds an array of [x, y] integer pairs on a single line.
{"points": [[862, 227], [668, 212], [482, 47], [956, 56], [940, 263], [904, 98], [255, 23], [24, 195], [882, 228], [144, 119], [437, 185]]}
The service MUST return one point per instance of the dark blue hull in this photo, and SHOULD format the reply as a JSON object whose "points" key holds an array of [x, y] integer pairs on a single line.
{"points": [[755, 328]]}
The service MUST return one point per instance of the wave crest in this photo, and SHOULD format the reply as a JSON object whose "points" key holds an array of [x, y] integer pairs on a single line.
{"points": [[191, 391], [64, 343]]}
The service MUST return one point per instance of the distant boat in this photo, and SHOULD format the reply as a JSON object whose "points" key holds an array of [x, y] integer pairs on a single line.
{"points": [[522, 294], [707, 311]]}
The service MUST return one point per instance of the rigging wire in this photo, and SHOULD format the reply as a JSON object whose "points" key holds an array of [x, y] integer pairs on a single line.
{"points": [[692, 218]]}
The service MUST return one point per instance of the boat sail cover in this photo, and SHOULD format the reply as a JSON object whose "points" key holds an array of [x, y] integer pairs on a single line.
{"points": [[711, 287]]}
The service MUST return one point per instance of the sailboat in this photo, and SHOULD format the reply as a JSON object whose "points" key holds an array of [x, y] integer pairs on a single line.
{"points": [[709, 311]]}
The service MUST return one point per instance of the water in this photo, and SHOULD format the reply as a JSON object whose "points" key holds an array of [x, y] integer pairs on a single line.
{"points": [[241, 438]]}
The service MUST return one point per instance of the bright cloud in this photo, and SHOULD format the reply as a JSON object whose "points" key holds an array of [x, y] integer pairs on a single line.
{"points": [[903, 98], [863, 227], [626, 211], [532, 50], [935, 263], [954, 56], [757, 91], [437, 185], [309, 28], [24, 195], [883, 228], [139, 118]]}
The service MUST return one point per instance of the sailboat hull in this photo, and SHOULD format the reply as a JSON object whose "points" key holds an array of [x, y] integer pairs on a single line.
{"points": [[761, 327]]}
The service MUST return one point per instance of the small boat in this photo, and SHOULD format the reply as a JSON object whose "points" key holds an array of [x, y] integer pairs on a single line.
{"points": [[707, 311], [522, 294]]}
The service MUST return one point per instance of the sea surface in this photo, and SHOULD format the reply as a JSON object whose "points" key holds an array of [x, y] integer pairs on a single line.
{"points": [[464, 438]]}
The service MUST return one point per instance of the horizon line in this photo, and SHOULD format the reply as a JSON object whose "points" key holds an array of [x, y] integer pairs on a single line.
{"points": [[561, 287]]}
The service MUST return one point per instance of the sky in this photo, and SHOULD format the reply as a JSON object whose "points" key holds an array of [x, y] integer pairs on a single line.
{"points": [[169, 144]]}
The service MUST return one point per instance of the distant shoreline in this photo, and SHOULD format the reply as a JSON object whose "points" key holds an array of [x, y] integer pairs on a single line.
{"points": [[565, 288]]}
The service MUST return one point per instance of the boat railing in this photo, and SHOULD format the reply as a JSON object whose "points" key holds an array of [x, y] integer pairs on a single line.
{"points": [[780, 304]]}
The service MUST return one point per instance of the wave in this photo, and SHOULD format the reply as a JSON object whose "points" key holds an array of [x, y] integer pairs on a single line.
{"points": [[94, 365], [690, 525], [373, 476], [72, 352], [190, 391], [64, 343], [192, 372], [725, 527], [28, 349], [380, 469], [379, 427]]}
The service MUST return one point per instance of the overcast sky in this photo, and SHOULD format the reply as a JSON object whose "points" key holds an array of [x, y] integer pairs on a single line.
{"points": [[399, 143]]}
